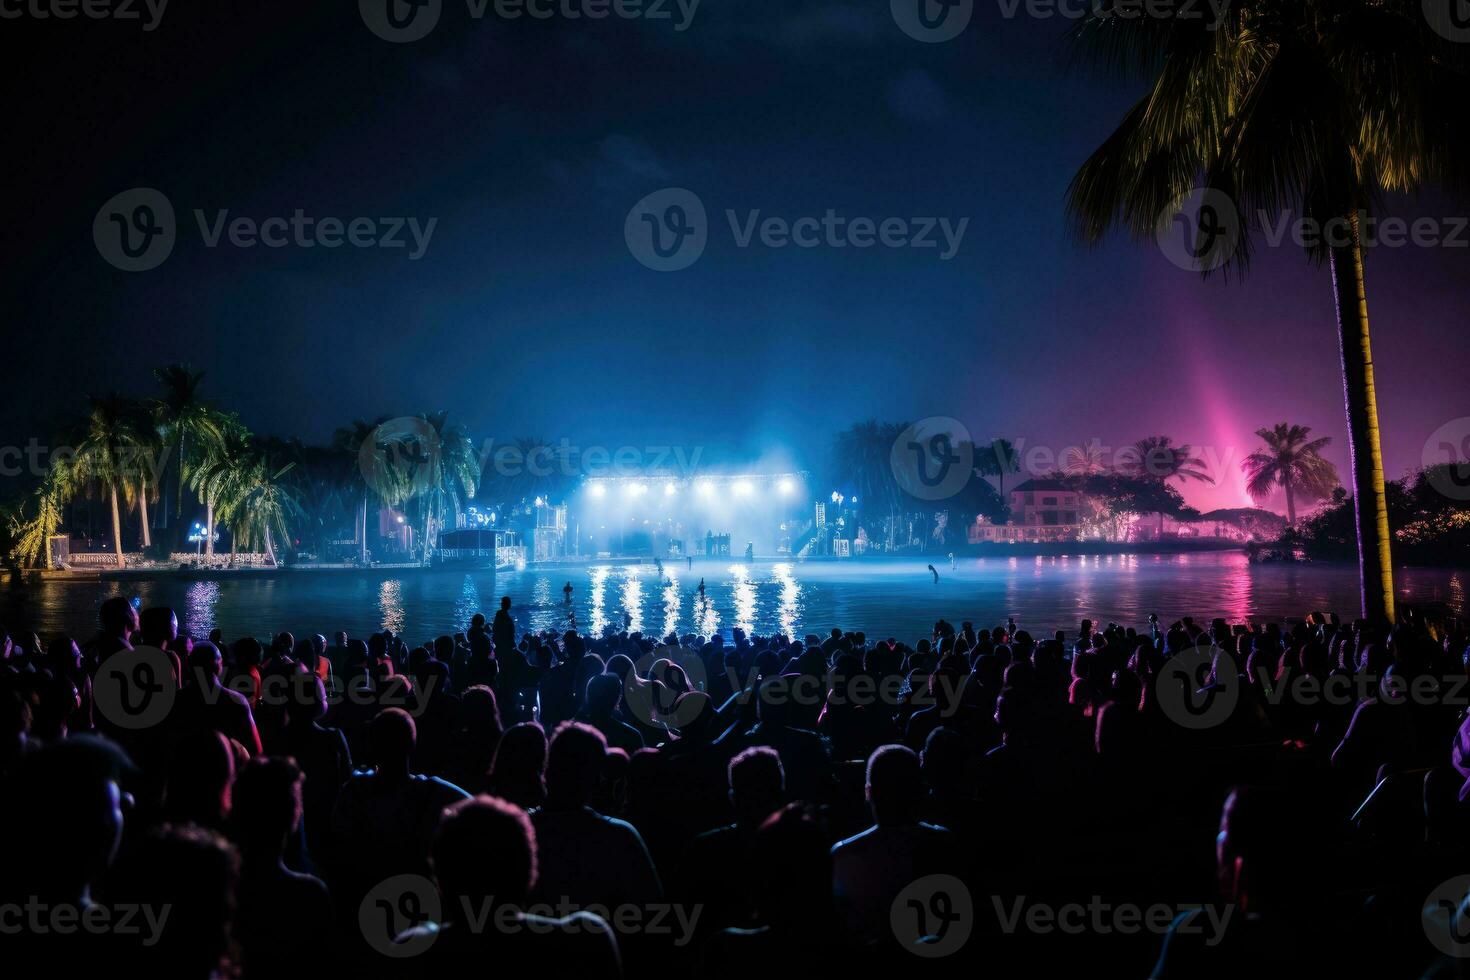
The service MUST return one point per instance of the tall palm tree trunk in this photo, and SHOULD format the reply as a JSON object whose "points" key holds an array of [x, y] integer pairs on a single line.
{"points": [[209, 527], [143, 512], [179, 477], [117, 529], [362, 534], [1290, 500], [1370, 503]]}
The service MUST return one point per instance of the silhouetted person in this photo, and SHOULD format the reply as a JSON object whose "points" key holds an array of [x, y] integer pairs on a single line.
{"points": [[604, 692], [790, 877], [385, 816], [716, 868], [206, 704], [504, 628], [72, 793], [586, 857], [267, 810], [485, 865], [871, 868], [518, 768]]}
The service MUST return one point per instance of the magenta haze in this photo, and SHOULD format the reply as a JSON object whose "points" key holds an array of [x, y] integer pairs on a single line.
{"points": [[886, 598]]}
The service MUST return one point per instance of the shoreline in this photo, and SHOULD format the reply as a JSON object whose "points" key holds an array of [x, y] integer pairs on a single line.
{"points": [[1050, 549], [984, 550]]}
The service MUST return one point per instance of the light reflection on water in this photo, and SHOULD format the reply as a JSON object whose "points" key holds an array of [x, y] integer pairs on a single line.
{"points": [[673, 602], [885, 598], [390, 605], [633, 599], [467, 605], [199, 609], [596, 617]]}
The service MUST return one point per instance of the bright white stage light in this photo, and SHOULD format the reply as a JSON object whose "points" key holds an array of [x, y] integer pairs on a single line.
{"points": [[743, 488], [597, 489], [670, 489], [706, 489], [633, 489], [787, 486]]}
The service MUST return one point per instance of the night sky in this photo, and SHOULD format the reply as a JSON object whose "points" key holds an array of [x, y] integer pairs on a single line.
{"points": [[527, 315]]}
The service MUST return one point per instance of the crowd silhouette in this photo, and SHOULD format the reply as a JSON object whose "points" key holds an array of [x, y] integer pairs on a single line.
{"points": [[1190, 800]]}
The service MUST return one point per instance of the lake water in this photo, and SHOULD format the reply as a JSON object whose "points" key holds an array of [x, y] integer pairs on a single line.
{"points": [[885, 598]]}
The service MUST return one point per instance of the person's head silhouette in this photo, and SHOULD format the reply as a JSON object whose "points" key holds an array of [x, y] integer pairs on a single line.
{"points": [[757, 784], [267, 803], [574, 764], [391, 738], [895, 785], [483, 851]]}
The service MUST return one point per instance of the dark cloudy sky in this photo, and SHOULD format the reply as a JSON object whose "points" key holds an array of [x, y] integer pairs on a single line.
{"points": [[529, 142]]}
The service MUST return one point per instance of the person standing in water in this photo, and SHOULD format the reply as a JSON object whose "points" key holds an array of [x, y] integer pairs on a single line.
{"points": [[936, 574], [566, 590]]}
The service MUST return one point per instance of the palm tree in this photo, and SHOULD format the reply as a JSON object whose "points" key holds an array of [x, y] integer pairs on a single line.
{"points": [[261, 505], [862, 462], [1314, 108], [452, 477], [998, 459], [216, 475], [1083, 459], [1160, 461], [186, 422], [33, 536], [140, 463], [348, 442], [103, 456], [1291, 462]]}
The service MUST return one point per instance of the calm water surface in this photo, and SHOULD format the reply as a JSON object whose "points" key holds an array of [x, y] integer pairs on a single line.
{"points": [[886, 598]]}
